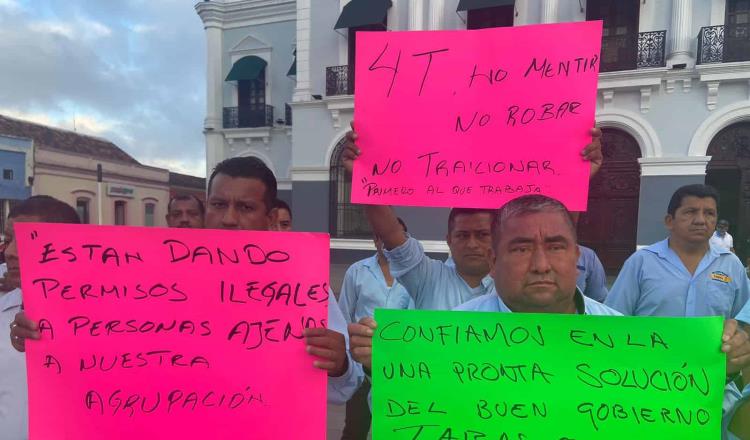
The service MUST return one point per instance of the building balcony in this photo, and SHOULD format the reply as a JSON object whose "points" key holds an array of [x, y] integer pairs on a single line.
{"points": [[339, 80], [633, 51], [249, 116], [724, 44]]}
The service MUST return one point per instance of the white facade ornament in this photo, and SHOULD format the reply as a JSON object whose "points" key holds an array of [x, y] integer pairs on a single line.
{"points": [[646, 99], [713, 94]]}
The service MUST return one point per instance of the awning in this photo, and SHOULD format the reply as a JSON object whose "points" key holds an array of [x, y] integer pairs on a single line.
{"points": [[293, 68], [358, 13], [247, 68], [468, 5]]}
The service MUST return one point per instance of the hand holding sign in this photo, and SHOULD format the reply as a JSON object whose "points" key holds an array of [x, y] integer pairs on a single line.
{"points": [[491, 122]]}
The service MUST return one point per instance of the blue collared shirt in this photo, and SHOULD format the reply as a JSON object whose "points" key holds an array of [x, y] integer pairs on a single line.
{"points": [[591, 281], [13, 392], [744, 314], [341, 389], [491, 302], [365, 289], [432, 284], [654, 282]]}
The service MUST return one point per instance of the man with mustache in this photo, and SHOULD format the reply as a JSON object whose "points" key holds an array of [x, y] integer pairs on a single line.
{"points": [[683, 275], [185, 211]]}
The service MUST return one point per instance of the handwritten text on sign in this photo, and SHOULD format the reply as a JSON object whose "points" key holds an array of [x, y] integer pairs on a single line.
{"points": [[475, 118], [464, 375], [167, 333]]}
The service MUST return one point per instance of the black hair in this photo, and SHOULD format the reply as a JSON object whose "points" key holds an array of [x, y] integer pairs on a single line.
{"points": [[697, 190], [525, 205], [185, 197], [251, 168], [403, 225], [280, 204], [455, 212], [48, 209]]}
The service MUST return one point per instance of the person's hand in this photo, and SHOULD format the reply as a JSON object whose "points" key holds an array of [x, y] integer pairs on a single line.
{"points": [[736, 344], [351, 151], [23, 328], [593, 151], [360, 341], [330, 347]]}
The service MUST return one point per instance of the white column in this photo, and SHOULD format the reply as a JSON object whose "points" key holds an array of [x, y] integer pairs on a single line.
{"points": [[214, 73], [303, 91], [437, 15], [416, 15], [549, 11], [681, 34], [394, 21]]}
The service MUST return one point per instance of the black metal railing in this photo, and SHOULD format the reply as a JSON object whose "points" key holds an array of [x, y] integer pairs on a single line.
{"points": [[287, 114], [633, 51], [724, 44], [651, 49], [248, 116], [339, 80]]}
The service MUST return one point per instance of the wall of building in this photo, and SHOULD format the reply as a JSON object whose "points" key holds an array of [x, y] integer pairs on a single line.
{"points": [[68, 177]]}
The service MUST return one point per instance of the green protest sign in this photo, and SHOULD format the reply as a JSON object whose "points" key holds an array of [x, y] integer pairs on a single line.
{"points": [[513, 376]]}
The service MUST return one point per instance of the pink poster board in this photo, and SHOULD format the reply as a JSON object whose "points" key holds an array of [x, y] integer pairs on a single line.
{"points": [[152, 333], [475, 118]]}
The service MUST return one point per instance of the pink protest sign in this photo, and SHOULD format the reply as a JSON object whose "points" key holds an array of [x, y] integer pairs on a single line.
{"points": [[172, 333], [475, 118]]}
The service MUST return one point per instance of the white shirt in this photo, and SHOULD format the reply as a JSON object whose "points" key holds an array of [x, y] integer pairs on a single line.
{"points": [[13, 391], [726, 242]]}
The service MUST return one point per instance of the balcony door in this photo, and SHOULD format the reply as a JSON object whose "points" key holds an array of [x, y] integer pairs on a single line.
{"points": [[620, 33], [251, 101], [737, 31]]}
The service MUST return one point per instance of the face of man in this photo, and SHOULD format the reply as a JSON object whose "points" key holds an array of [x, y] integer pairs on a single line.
{"points": [[470, 242], [284, 220], [238, 203], [535, 263], [722, 228], [13, 276], [694, 221], [184, 214]]}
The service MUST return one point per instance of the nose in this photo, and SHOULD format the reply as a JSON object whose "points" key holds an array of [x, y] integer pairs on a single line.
{"points": [[230, 219], [700, 218], [540, 262]]}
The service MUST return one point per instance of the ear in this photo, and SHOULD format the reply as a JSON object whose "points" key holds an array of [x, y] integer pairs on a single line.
{"points": [[668, 219], [493, 258], [448, 238], [273, 217]]}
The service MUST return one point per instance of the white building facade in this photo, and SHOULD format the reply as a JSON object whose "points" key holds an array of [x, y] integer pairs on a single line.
{"points": [[673, 101]]}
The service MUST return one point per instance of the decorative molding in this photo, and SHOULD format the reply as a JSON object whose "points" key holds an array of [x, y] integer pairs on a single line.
{"points": [[311, 174], [353, 244], [607, 97], [246, 13], [724, 71], [645, 99], [337, 104], [716, 122], [669, 85], [687, 85], [284, 185], [674, 166], [247, 134], [712, 97], [632, 79], [634, 124]]}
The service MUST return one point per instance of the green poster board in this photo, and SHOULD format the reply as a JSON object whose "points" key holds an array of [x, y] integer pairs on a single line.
{"points": [[477, 375]]}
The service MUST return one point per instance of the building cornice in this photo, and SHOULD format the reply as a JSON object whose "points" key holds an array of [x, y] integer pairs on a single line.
{"points": [[724, 71], [674, 166], [246, 12], [354, 244], [632, 79]]}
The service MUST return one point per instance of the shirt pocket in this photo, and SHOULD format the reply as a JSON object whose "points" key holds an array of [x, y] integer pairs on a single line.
{"points": [[719, 297]]}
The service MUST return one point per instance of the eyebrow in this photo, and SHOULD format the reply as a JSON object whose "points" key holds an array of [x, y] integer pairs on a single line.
{"points": [[527, 240]]}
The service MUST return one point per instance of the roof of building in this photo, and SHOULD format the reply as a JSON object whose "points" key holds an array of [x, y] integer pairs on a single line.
{"points": [[56, 139], [187, 181]]}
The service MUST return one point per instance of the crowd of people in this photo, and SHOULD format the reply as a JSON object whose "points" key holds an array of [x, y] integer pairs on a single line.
{"points": [[521, 258]]}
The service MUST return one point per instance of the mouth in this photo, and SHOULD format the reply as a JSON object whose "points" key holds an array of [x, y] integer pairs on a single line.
{"points": [[542, 283]]}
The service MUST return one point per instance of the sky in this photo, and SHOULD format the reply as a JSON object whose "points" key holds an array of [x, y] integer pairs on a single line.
{"points": [[129, 71]]}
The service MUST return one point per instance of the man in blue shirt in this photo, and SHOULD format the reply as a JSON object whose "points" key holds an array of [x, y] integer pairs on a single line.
{"points": [[431, 283], [592, 281], [683, 275], [368, 284]]}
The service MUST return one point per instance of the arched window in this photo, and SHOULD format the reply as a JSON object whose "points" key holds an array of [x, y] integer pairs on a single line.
{"points": [[345, 219], [610, 224], [82, 208], [729, 172], [120, 215], [149, 209]]}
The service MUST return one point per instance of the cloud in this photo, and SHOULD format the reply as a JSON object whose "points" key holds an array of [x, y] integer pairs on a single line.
{"points": [[131, 72]]}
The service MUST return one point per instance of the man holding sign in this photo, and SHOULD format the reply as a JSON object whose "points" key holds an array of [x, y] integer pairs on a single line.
{"points": [[240, 194], [534, 263]]}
